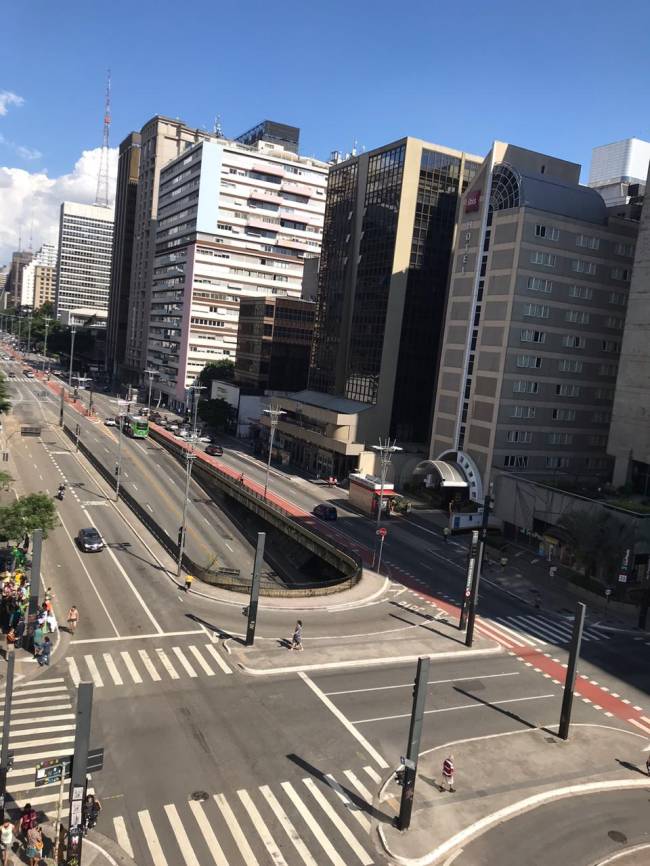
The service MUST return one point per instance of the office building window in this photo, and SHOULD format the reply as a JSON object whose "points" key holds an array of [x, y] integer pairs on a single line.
{"points": [[578, 317], [530, 336], [569, 365], [610, 346], [601, 417], [597, 463], [525, 386], [559, 438], [607, 370], [515, 461], [537, 311], [529, 361], [588, 241], [616, 298], [623, 249], [557, 462], [598, 440], [564, 414], [614, 322], [584, 292], [523, 411], [539, 284], [621, 273], [549, 232], [581, 266], [519, 436], [567, 390], [537, 257], [604, 393], [572, 341]]}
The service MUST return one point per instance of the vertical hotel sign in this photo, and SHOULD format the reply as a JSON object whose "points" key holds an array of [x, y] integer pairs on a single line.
{"points": [[473, 201]]}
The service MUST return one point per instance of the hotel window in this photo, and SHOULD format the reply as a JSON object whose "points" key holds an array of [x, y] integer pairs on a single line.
{"points": [[515, 461], [530, 336], [584, 292], [525, 386], [622, 249], [569, 365], [549, 232], [523, 411], [537, 311], [571, 341], [588, 241], [598, 440], [610, 346], [539, 258], [616, 298], [567, 390], [583, 267], [529, 361], [539, 284], [559, 438], [601, 417], [621, 273], [564, 414], [557, 462], [579, 317], [519, 436], [604, 394], [607, 370], [614, 322]]}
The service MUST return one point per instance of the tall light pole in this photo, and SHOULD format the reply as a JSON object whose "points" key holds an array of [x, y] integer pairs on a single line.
{"points": [[47, 320], [386, 451], [190, 456], [274, 417], [150, 374], [29, 334], [73, 331], [118, 465]]}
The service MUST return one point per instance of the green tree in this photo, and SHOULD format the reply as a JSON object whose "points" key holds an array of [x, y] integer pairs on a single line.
{"points": [[38, 512], [598, 540], [223, 369], [5, 403], [216, 413], [11, 523]]}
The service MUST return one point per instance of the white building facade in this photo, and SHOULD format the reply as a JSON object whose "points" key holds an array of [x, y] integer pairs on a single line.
{"points": [[617, 166], [84, 257], [233, 220], [45, 257]]}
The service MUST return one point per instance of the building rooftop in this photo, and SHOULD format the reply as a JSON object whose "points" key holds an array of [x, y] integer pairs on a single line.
{"points": [[546, 193], [341, 405]]}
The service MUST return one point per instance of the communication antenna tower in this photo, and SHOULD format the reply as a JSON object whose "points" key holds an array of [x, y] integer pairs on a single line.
{"points": [[101, 198]]}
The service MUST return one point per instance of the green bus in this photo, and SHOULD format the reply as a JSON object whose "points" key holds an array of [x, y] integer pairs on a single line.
{"points": [[136, 426]]}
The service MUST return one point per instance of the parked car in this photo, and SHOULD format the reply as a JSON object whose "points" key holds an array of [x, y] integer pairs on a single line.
{"points": [[171, 427], [214, 450], [89, 540], [325, 512], [110, 422]]}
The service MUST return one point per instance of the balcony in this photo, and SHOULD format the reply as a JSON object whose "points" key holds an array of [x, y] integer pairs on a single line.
{"points": [[296, 188], [268, 168]]}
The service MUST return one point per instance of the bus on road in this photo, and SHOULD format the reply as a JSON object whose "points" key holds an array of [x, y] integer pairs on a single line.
{"points": [[136, 426]]}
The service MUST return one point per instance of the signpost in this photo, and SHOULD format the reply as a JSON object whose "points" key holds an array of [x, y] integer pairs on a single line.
{"points": [[382, 532], [471, 568]]}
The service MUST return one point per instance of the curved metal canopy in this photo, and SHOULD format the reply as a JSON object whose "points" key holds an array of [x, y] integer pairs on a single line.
{"points": [[450, 474]]}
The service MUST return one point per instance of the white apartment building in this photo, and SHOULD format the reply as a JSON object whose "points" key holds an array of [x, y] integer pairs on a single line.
{"points": [[44, 258], [233, 220], [85, 251]]}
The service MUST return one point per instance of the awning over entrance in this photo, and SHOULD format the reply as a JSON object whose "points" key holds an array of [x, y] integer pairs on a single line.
{"points": [[450, 474]]}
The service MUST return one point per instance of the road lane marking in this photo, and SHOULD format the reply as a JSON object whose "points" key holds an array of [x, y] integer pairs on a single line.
{"points": [[262, 829], [458, 707], [131, 668], [135, 637], [151, 670], [188, 667], [429, 683], [113, 671], [287, 826], [361, 788], [169, 667], [376, 778], [237, 832], [374, 754], [208, 833], [94, 672], [202, 662], [350, 806], [313, 825], [214, 652], [122, 836], [343, 829], [151, 838], [182, 838]]}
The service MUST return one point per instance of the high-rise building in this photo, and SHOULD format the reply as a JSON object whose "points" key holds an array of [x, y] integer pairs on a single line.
{"points": [[619, 170], [533, 328], [274, 343], [45, 262], [629, 435], [44, 285], [232, 220], [84, 257], [14, 283], [161, 140], [128, 167], [4, 276]]}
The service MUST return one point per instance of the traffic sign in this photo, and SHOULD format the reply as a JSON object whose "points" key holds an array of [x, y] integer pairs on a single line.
{"points": [[382, 532], [54, 769]]}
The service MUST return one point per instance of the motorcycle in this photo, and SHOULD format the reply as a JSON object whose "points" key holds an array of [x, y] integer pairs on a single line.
{"points": [[61, 493]]}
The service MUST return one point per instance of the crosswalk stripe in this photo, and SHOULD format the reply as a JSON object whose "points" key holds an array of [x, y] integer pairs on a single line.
{"points": [[131, 668], [262, 829], [287, 826], [313, 825], [146, 661], [26, 710], [188, 667], [43, 699], [236, 830], [214, 652], [202, 662], [41, 690], [122, 836], [169, 667], [112, 669], [181, 836], [45, 682], [212, 842], [343, 829], [30, 732], [74, 671], [57, 718], [94, 671], [21, 759], [543, 627], [517, 635], [376, 778], [151, 839], [361, 788], [352, 808], [16, 744]]}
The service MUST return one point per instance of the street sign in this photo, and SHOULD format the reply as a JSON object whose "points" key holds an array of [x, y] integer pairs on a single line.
{"points": [[622, 578], [382, 532], [52, 770], [608, 592]]}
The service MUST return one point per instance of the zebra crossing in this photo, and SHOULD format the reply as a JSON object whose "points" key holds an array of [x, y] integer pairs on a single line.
{"points": [[138, 666], [306, 822], [539, 630], [42, 726]]}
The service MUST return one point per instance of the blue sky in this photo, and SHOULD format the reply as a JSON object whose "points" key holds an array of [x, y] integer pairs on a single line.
{"points": [[558, 77]]}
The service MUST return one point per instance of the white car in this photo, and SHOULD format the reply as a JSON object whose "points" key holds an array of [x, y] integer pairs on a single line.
{"points": [[110, 422]]}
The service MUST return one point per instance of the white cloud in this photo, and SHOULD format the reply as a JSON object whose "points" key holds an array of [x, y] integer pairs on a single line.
{"points": [[8, 98], [31, 200], [27, 152]]}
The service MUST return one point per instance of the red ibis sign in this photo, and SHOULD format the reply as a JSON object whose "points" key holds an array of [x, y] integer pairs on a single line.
{"points": [[382, 532]]}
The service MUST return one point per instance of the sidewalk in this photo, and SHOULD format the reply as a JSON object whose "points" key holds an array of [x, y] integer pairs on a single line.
{"points": [[432, 638], [97, 850], [540, 768]]}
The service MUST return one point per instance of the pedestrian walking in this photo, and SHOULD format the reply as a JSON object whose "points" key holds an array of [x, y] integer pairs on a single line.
{"points": [[39, 636], [647, 765], [34, 845], [51, 622], [448, 770], [188, 582], [296, 641], [44, 655], [446, 532], [6, 840], [73, 619], [26, 821]]}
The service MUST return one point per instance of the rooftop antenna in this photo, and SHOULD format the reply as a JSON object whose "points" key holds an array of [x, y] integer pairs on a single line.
{"points": [[217, 127], [20, 237], [101, 199], [354, 148]]}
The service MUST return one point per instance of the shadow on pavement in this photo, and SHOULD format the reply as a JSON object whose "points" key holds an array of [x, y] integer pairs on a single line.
{"points": [[507, 713], [223, 635], [628, 765], [125, 547]]}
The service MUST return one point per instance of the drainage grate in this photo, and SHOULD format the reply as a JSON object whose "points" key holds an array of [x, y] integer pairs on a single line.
{"points": [[617, 836], [200, 796]]}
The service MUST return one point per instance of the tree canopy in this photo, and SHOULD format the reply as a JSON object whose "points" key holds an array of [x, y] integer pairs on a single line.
{"points": [[34, 511], [223, 369]]}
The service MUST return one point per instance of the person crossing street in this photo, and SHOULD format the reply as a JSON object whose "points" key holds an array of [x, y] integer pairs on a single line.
{"points": [[73, 619], [188, 582], [296, 641], [448, 770]]}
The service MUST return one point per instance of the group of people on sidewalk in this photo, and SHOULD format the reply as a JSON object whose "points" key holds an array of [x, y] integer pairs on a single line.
{"points": [[26, 832]]}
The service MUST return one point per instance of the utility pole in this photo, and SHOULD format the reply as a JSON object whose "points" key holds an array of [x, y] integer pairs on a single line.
{"points": [[34, 584], [5, 758], [190, 456], [73, 331], [476, 577], [385, 451], [570, 681], [195, 406], [150, 374], [79, 770], [255, 589], [61, 406], [274, 417], [413, 745], [47, 321], [29, 334], [472, 558]]}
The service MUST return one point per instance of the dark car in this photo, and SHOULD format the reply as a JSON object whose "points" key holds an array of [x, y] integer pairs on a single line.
{"points": [[90, 541], [214, 450], [325, 512]]}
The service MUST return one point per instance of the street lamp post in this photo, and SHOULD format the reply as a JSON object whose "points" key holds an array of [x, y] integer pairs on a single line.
{"points": [[150, 374], [274, 416], [195, 405], [190, 456], [386, 451], [118, 465], [73, 331], [29, 334], [47, 320]]}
